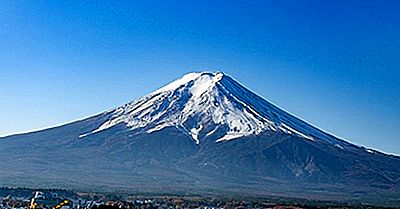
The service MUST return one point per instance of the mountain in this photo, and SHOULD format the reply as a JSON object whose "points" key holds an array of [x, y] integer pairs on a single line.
{"points": [[204, 133], [205, 105]]}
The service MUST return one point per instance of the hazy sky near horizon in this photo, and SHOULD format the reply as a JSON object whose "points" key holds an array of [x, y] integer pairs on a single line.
{"points": [[335, 64]]}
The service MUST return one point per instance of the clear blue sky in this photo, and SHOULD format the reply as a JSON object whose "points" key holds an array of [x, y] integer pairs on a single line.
{"points": [[335, 64]]}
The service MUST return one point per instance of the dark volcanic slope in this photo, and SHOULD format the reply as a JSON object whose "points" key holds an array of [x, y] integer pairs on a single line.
{"points": [[201, 134]]}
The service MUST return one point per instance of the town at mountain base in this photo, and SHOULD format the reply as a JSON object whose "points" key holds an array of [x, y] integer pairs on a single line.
{"points": [[202, 134]]}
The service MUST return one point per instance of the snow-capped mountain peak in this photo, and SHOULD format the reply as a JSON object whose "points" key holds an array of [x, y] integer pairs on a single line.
{"points": [[204, 80], [207, 105]]}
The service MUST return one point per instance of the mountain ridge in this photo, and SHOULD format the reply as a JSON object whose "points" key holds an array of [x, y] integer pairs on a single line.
{"points": [[194, 75], [148, 145]]}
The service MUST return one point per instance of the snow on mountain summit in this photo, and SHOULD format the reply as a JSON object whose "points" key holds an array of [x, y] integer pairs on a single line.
{"points": [[207, 105]]}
